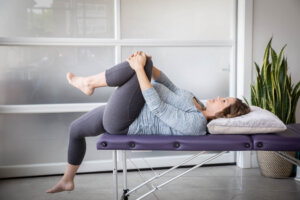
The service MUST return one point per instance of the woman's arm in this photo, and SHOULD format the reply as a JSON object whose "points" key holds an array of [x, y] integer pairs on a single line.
{"points": [[143, 79], [155, 73], [137, 62], [161, 77], [186, 122], [183, 121]]}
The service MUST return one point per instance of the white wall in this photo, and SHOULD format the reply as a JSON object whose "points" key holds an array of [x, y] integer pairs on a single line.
{"points": [[280, 18]]}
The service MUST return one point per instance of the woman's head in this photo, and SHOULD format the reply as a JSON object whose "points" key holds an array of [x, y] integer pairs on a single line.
{"points": [[225, 107]]}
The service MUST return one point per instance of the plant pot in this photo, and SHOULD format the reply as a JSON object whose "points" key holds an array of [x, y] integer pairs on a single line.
{"points": [[273, 166]]}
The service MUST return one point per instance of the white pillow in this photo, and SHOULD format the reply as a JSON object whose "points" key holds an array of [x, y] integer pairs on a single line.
{"points": [[258, 120]]}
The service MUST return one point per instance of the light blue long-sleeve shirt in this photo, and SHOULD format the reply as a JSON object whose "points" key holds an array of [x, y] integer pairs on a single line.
{"points": [[168, 110]]}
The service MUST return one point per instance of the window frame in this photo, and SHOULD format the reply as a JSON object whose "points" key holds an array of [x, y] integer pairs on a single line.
{"points": [[117, 42]]}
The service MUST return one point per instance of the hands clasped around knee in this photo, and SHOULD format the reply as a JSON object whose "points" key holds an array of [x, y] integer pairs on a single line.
{"points": [[138, 60]]}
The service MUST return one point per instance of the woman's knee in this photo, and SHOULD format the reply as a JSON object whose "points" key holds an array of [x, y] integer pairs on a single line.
{"points": [[118, 74], [74, 130]]}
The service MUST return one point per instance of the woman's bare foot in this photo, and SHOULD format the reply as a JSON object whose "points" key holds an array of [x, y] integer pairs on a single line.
{"points": [[62, 185], [81, 83]]}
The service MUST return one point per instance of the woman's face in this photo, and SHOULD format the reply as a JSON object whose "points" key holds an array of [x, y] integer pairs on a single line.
{"points": [[214, 106]]}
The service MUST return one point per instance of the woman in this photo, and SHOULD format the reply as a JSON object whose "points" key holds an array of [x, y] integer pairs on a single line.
{"points": [[168, 110]]}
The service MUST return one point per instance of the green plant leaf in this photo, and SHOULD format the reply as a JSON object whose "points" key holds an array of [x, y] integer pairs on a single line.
{"points": [[273, 92], [288, 108], [266, 55], [259, 88], [282, 75], [288, 83], [295, 98], [246, 100], [253, 96], [274, 58], [278, 101], [295, 94], [286, 105], [279, 62], [296, 88], [262, 73], [257, 68], [265, 96], [268, 82]]}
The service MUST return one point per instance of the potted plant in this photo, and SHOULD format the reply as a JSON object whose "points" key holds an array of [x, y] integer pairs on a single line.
{"points": [[275, 92]]}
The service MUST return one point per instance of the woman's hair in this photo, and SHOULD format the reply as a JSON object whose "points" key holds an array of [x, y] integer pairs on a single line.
{"points": [[235, 109]]}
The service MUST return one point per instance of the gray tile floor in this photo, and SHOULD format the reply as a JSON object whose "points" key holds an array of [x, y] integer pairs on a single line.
{"points": [[209, 182]]}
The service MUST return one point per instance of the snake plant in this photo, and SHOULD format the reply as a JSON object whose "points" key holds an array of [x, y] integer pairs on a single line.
{"points": [[273, 90]]}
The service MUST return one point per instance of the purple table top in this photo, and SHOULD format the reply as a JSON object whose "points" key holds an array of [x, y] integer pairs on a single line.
{"points": [[173, 143], [288, 140]]}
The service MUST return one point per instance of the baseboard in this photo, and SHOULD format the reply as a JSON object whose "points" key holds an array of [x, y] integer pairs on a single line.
{"points": [[106, 165], [254, 163]]}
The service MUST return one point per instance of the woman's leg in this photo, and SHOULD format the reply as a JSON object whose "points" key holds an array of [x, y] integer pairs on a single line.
{"points": [[122, 108], [118, 74], [127, 100], [89, 124], [125, 104]]}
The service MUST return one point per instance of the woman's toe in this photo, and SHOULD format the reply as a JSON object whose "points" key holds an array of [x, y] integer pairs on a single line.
{"points": [[70, 76]]}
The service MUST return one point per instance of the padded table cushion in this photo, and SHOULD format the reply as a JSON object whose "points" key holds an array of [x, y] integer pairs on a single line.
{"points": [[173, 143], [288, 140]]}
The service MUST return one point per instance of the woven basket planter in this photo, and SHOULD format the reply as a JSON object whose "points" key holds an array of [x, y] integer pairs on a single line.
{"points": [[273, 166]]}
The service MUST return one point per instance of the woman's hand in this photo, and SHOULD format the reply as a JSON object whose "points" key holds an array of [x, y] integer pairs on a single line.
{"points": [[137, 61], [148, 56]]}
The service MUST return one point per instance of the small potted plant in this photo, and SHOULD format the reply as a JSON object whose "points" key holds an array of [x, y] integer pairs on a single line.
{"points": [[275, 92]]}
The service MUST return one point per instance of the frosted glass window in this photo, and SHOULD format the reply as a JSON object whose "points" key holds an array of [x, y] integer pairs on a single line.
{"points": [[202, 70], [40, 138], [177, 19], [37, 75], [57, 18]]}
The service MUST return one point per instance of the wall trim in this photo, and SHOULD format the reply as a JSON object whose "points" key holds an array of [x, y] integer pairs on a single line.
{"points": [[244, 63], [48, 108]]}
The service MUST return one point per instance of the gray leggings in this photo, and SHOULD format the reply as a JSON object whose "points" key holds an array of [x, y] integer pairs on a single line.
{"points": [[122, 108]]}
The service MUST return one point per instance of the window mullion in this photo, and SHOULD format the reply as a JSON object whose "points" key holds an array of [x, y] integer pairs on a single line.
{"points": [[48, 108], [112, 42]]}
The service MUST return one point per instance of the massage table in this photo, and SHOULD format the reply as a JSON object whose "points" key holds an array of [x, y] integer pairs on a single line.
{"points": [[288, 140]]}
